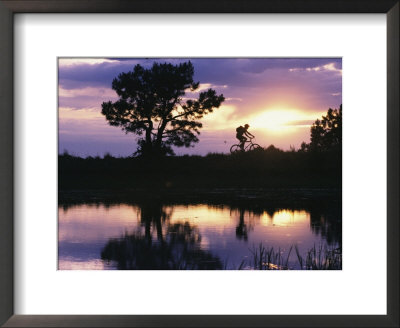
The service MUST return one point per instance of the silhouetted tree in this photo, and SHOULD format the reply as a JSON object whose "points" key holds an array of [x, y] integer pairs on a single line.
{"points": [[180, 250], [326, 133], [273, 149], [151, 103]]}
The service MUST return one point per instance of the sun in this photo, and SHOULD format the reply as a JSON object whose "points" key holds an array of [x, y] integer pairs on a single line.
{"points": [[278, 120], [275, 120]]}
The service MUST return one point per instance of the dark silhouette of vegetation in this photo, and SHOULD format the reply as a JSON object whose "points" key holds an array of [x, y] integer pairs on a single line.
{"points": [[241, 228], [326, 134], [179, 251], [267, 168], [151, 104], [176, 246], [322, 257], [327, 223]]}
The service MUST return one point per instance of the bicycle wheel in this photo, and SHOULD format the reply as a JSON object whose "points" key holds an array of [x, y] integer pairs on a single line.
{"points": [[255, 147], [235, 149]]}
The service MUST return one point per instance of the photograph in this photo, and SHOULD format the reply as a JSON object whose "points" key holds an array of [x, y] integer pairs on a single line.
{"points": [[199, 163]]}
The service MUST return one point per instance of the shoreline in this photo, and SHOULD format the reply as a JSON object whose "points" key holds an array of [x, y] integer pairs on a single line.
{"points": [[276, 197]]}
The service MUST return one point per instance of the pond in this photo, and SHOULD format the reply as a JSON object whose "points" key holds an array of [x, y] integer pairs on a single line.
{"points": [[152, 235]]}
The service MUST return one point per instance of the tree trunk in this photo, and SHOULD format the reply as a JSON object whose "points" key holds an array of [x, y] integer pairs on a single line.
{"points": [[148, 143], [160, 132]]}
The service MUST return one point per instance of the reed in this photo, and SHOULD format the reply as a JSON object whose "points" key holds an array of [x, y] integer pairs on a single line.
{"points": [[320, 257]]}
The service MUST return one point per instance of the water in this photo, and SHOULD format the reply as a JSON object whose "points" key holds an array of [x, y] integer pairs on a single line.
{"points": [[198, 236]]}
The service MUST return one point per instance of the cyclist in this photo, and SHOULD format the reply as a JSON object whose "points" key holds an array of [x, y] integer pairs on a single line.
{"points": [[242, 133]]}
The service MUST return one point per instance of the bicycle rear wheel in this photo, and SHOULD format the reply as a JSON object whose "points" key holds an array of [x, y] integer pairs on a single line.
{"points": [[235, 149], [255, 147]]}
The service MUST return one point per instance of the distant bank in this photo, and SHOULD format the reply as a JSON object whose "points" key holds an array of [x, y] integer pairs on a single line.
{"points": [[270, 168]]}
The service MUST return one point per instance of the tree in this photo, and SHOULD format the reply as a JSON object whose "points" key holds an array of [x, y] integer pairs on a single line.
{"points": [[151, 104], [326, 134]]}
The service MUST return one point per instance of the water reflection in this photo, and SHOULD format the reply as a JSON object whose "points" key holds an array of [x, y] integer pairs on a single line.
{"points": [[241, 228], [154, 215], [153, 235], [178, 249], [327, 224]]}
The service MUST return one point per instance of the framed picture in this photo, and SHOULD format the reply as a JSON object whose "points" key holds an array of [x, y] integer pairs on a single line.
{"points": [[164, 166]]}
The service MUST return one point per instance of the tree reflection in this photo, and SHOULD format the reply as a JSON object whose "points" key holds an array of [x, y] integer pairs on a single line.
{"points": [[177, 246], [241, 228], [153, 215], [327, 223]]}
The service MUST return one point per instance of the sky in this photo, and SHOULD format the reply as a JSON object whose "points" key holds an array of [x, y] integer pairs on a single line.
{"points": [[279, 98]]}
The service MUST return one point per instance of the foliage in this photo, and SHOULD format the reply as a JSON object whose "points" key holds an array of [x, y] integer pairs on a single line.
{"points": [[271, 167], [273, 149], [326, 134], [152, 104]]}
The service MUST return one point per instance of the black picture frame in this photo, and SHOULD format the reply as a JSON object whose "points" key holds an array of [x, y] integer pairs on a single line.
{"points": [[10, 7]]}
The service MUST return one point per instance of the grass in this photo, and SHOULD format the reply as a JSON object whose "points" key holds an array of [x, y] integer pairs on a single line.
{"points": [[322, 257], [264, 258]]}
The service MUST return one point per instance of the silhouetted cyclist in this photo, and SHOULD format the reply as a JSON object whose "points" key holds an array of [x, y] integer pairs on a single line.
{"points": [[242, 133]]}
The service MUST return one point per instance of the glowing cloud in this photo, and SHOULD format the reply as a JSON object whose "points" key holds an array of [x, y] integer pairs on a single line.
{"points": [[81, 61], [279, 120], [327, 67]]}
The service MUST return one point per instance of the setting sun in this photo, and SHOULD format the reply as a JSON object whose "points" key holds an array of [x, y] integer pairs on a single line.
{"points": [[280, 120]]}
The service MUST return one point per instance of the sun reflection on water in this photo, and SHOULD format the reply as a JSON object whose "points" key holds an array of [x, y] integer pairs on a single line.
{"points": [[285, 218]]}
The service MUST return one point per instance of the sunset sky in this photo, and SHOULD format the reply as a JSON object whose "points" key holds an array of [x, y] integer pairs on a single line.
{"points": [[278, 98]]}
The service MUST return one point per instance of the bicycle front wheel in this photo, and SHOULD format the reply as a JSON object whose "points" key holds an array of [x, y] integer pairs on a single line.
{"points": [[235, 149], [255, 147]]}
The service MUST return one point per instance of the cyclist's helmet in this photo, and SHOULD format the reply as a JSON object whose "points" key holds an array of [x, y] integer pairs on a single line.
{"points": [[246, 126]]}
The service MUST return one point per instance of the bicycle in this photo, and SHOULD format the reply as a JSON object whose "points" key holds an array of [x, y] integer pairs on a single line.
{"points": [[251, 146]]}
